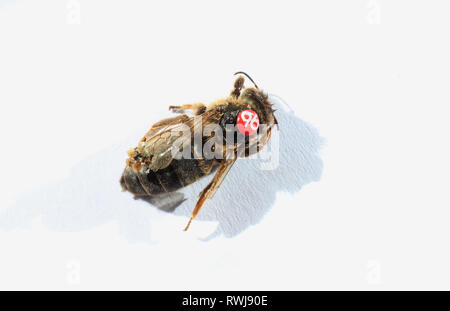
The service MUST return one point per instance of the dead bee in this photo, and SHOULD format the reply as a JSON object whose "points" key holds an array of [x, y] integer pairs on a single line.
{"points": [[152, 169]]}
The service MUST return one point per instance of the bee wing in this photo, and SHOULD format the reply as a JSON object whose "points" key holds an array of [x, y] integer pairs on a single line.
{"points": [[164, 125], [167, 137]]}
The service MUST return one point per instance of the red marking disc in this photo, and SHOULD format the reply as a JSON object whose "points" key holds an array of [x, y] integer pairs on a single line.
{"points": [[247, 122]]}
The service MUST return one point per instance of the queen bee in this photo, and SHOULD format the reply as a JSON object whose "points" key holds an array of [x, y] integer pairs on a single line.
{"points": [[153, 167]]}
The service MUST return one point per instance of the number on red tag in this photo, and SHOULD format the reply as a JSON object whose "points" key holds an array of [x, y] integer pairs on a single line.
{"points": [[247, 122]]}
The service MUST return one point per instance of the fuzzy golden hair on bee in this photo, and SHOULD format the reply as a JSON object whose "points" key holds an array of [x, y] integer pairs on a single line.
{"points": [[260, 101]]}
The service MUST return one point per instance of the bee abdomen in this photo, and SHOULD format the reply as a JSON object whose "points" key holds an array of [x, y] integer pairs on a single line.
{"points": [[179, 174]]}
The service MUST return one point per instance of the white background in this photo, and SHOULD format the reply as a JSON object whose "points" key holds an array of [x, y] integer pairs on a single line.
{"points": [[77, 77]]}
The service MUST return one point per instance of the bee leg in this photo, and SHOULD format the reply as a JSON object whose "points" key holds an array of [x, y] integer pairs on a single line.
{"points": [[197, 108], [212, 187], [238, 85]]}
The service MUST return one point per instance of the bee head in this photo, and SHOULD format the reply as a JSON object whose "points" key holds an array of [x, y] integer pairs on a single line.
{"points": [[257, 100]]}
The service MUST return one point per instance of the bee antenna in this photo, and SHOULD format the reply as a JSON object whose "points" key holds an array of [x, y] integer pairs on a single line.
{"points": [[241, 72]]}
